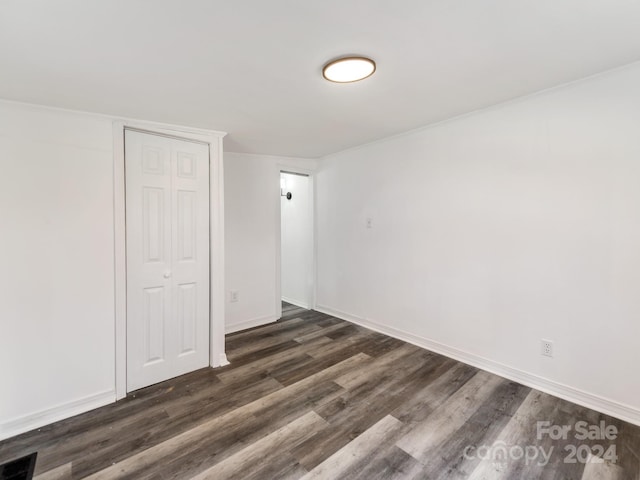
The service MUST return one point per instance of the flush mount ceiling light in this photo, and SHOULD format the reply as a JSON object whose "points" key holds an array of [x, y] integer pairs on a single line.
{"points": [[349, 69]]}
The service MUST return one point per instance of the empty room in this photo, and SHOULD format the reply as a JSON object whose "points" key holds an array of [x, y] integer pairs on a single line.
{"points": [[334, 240]]}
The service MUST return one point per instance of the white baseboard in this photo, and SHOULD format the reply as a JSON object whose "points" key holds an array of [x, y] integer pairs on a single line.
{"points": [[224, 360], [29, 422], [566, 392], [254, 322], [295, 302]]}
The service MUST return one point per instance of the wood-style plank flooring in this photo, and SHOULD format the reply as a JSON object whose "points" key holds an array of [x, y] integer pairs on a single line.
{"points": [[315, 397]]}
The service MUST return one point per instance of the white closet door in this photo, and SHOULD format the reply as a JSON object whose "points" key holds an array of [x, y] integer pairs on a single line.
{"points": [[167, 228]]}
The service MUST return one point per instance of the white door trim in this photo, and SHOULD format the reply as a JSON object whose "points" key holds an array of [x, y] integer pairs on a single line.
{"points": [[283, 167], [217, 355]]}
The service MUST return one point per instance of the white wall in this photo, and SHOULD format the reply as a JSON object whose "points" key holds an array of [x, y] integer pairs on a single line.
{"points": [[57, 299], [296, 239], [252, 243], [497, 229], [57, 253]]}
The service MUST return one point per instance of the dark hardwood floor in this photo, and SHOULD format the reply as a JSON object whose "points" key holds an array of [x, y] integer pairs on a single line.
{"points": [[312, 396]]}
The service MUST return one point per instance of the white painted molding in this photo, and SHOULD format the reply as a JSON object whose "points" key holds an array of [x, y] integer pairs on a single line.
{"points": [[297, 303], [224, 360], [278, 253], [254, 322], [120, 262], [180, 130], [560, 390], [217, 268], [45, 417]]}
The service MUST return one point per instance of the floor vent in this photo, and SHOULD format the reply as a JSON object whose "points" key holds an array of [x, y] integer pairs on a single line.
{"points": [[19, 469]]}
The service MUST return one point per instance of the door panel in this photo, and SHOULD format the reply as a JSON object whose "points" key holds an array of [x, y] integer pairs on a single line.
{"points": [[187, 308], [167, 228], [154, 316], [187, 225], [153, 224]]}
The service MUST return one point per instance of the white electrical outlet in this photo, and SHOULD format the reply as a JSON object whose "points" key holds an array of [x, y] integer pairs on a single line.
{"points": [[547, 348], [369, 222], [233, 296]]}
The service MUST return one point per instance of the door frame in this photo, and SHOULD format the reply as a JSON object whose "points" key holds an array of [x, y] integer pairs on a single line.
{"points": [[283, 167], [217, 356]]}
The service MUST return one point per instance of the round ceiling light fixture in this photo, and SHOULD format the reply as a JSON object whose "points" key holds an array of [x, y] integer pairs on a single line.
{"points": [[349, 69]]}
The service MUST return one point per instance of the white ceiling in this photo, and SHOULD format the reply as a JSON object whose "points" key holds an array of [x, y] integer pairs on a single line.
{"points": [[253, 67]]}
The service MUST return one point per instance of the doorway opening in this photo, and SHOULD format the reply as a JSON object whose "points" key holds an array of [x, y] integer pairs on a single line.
{"points": [[297, 269]]}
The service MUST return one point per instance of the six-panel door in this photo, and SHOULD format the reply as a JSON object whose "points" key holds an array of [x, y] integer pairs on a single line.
{"points": [[167, 230]]}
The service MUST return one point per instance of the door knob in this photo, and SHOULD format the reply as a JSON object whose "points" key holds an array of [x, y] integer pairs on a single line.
{"points": [[167, 274]]}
